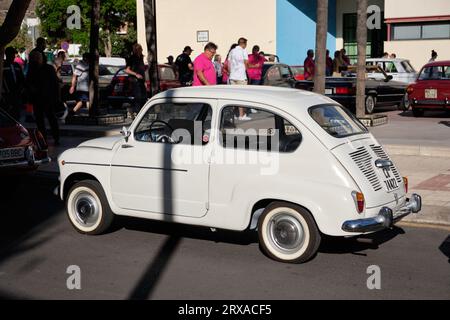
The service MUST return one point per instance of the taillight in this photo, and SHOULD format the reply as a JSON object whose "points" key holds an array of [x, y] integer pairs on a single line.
{"points": [[358, 197], [342, 90], [410, 90], [405, 182]]}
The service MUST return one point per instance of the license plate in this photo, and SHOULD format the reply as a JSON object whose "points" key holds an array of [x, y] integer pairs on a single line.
{"points": [[431, 94], [328, 91], [390, 183], [12, 153]]}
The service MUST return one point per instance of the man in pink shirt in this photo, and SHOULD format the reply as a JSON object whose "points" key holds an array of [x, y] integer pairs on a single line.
{"points": [[204, 71], [256, 62]]}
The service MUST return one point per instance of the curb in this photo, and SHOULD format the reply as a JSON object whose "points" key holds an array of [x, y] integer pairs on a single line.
{"points": [[411, 150]]}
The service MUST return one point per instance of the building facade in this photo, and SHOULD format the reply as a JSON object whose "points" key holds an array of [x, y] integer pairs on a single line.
{"points": [[287, 28]]}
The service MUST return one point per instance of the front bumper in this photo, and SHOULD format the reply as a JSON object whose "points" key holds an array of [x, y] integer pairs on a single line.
{"points": [[385, 219], [25, 163]]}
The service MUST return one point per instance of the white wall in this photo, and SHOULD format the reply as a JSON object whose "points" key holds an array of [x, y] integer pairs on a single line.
{"points": [[179, 20], [416, 8]]}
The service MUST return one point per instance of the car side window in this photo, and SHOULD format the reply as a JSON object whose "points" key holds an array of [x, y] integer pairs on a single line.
{"points": [[447, 72], [273, 74], [167, 73], [258, 130], [390, 67], [285, 72], [173, 123]]}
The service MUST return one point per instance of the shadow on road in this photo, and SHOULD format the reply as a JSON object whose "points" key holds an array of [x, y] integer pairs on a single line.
{"points": [[434, 114], [445, 248], [337, 245]]}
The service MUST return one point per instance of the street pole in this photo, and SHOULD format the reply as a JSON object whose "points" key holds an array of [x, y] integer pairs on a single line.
{"points": [[321, 46], [94, 58], [150, 29], [361, 35]]}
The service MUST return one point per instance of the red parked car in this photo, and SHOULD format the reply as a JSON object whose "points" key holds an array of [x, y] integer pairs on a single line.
{"points": [[121, 91], [432, 88], [299, 72], [20, 149]]}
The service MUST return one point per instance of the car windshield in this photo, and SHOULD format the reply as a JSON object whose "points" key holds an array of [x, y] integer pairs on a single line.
{"points": [[408, 67], [105, 70], [435, 73], [337, 121]]}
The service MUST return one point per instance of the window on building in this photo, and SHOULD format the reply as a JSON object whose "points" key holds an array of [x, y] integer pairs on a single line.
{"points": [[419, 31]]}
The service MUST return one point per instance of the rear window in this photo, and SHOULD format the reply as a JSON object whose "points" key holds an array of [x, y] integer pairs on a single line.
{"points": [[337, 121], [408, 67], [435, 73]]}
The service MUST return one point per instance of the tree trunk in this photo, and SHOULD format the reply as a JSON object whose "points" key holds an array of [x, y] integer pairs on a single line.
{"points": [[321, 46], [150, 29], [10, 28], [361, 35], [108, 44], [94, 58]]}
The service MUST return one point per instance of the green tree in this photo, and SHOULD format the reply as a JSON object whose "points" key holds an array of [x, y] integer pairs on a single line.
{"points": [[114, 14]]}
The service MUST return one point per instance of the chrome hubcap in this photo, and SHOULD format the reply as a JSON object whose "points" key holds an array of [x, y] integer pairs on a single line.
{"points": [[286, 233], [86, 209], [370, 104]]}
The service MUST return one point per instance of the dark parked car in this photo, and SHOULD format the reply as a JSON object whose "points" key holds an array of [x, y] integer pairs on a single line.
{"points": [[120, 91], [343, 89], [20, 149]]}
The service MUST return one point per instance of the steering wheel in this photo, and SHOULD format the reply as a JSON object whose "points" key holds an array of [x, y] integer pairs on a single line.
{"points": [[165, 138]]}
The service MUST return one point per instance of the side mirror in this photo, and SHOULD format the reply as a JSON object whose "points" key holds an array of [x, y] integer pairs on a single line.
{"points": [[125, 133], [388, 78]]}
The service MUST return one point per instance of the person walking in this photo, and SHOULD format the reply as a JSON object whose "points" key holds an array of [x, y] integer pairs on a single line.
{"points": [[256, 60], [238, 63], [219, 68], [13, 84], [184, 66], [41, 45], [226, 66], [43, 87], [204, 71], [80, 84], [136, 70], [309, 65]]}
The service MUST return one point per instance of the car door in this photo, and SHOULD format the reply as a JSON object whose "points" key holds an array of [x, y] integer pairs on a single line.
{"points": [[164, 166]]}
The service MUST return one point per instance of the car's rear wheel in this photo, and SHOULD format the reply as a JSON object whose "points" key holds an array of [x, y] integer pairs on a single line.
{"points": [[417, 112], [288, 233], [88, 209], [371, 102]]}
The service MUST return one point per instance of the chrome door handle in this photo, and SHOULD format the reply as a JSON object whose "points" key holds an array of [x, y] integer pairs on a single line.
{"points": [[127, 146], [380, 163]]}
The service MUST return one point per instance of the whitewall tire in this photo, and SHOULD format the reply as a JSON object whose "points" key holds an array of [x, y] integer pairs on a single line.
{"points": [[371, 102], [288, 233], [88, 209]]}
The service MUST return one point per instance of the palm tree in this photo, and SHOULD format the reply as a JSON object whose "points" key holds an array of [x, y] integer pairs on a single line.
{"points": [[10, 28], [150, 29], [94, 58], [321, 46], [361, 35]]}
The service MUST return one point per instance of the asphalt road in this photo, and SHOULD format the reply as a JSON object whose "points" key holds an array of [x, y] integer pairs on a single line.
{"points": [[148, 260]]}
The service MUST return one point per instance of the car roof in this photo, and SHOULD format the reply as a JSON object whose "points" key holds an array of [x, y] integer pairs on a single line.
{"points": [[438, 63], [386, 59], [290, 99]]}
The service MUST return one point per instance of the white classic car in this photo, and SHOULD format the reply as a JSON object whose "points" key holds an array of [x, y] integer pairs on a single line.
{"points": [[291, 164], [400, 69]]}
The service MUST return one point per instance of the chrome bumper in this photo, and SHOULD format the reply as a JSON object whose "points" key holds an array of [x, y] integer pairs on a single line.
{"points": [[25, 163], [385, 219]]}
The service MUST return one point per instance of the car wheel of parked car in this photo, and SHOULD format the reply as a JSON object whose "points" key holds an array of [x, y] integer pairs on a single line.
{"points": [[371, 101], [288, 233], [417, 112], [88, 208], [404, 105]]}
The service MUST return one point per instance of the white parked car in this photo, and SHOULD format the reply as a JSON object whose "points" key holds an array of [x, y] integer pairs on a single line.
{"points": [[400, 69], [296, 167]]}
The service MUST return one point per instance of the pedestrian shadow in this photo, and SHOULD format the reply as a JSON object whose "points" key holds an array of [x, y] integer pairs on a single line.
{"points": [[445, 248], [357, 245]]}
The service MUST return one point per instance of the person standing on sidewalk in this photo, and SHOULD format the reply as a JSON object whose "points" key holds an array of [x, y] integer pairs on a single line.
{"points": [[204, 71], [41, 45], [136, 71], [256, 60], [219, 68], [80, 84], [185, 68], [226, 66], [310, 65], [13, 84], [43, 87]]}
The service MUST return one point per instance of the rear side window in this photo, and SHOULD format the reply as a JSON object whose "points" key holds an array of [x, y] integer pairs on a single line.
{"points": [[337, 121]]}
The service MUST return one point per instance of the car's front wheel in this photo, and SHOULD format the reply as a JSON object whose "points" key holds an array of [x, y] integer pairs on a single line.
{"points": [[88, 209], [288, 233], [405, 104]]}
